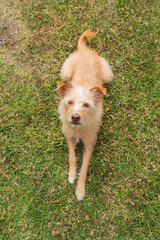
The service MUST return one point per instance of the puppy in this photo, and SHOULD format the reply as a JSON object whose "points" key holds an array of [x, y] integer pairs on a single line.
{"points": [[81, 104]]}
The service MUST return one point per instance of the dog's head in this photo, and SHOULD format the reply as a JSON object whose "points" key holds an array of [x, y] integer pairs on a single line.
{"points": [[79, 106]]}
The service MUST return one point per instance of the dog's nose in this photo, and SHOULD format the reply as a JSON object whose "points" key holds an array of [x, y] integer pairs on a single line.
{"points": [[76, 117]]}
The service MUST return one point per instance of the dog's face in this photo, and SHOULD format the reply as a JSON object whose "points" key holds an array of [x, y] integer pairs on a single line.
{"points": [[79, 105]]}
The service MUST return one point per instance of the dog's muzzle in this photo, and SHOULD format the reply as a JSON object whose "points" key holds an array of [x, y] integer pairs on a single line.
{"points": [[75, 119]]}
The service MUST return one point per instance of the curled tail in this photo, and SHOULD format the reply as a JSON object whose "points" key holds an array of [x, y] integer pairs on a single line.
{"points": [[88, 34]]}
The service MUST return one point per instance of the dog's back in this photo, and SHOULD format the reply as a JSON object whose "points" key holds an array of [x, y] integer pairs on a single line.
{"points": [[85, 67]]}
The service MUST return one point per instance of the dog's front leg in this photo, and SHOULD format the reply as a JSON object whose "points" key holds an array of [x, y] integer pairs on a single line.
{"points": [[72, 160], [80, 190]]}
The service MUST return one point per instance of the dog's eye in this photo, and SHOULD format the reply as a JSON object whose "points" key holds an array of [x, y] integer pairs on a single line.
{"points": [[70, 103], [86, 105]]}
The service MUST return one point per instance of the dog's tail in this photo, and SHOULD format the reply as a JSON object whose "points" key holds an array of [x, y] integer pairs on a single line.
{"points": [[88, 34]]}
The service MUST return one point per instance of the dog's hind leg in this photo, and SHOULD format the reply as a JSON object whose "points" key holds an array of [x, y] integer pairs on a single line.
{"points": [[68, 67], [72, 160], [106, 71]]}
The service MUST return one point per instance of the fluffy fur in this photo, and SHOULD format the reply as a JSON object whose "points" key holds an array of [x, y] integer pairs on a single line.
{"points": [[81, 104]]}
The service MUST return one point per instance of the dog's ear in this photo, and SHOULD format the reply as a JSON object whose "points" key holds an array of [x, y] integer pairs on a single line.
{"points": [[98, 93], [63, 88]]}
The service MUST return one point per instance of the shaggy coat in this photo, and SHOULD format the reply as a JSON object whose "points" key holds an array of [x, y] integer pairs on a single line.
{"points": [[81, 104]]}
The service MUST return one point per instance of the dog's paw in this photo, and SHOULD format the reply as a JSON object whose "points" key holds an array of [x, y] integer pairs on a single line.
{"points": [[71, 178], [80, 193]]}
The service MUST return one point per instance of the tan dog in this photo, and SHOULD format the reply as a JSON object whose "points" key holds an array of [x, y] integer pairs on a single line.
{"points": [[81, 105]]}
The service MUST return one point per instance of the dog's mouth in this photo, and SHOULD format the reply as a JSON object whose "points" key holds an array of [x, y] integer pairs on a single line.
{"points": [[75, 123]]}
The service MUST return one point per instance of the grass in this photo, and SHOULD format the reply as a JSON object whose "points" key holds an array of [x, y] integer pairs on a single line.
{"points": [[122, 191]]}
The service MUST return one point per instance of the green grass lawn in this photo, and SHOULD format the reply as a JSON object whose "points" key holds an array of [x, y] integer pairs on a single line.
{"points": [[122, 190]]}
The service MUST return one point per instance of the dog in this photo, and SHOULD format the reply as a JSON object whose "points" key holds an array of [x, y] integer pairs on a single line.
{"points": [[81, 104]]}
